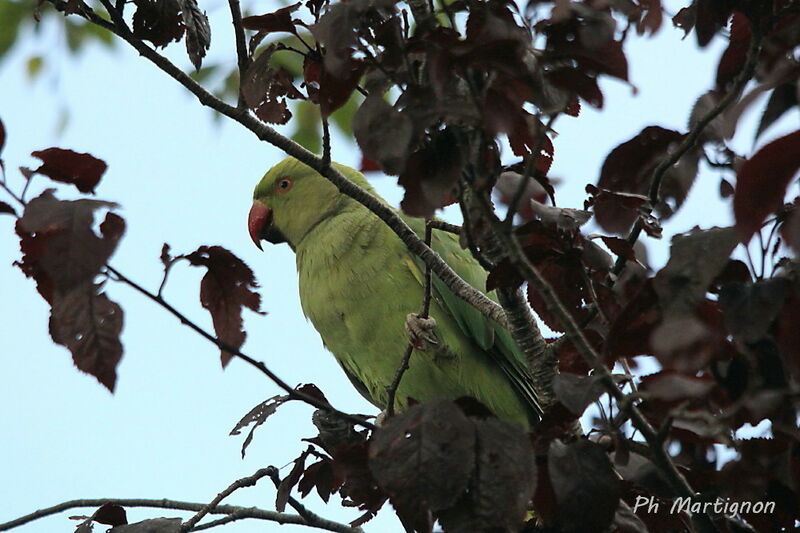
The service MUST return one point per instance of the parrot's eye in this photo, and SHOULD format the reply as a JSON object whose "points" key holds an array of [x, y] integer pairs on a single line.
{"points": [[283, 185]]}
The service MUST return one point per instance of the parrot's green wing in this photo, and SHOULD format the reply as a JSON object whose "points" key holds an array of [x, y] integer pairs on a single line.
{"points": [[493, 338]]}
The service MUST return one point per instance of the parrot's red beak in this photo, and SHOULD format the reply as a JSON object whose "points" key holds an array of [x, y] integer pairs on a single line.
{"points": [[258, 221]]}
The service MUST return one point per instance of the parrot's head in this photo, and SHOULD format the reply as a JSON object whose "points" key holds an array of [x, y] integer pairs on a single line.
{"points": [[291, 199]]}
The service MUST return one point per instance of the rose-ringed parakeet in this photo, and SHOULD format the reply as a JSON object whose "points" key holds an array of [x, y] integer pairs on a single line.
{"points": [[358, 284]]}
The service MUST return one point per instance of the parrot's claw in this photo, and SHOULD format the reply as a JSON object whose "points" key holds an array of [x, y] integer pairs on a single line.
{"points": [[420, 331], [380, 420]]}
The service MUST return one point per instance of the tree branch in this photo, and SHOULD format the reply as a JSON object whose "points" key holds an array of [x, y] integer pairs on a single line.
{"points": [[291, 391], [530, 164], [445, 226], [243, 58], [301, 509], [230, 510], [248, 481], [391, 390], [692, 137], [264, 132], [573, 331]]}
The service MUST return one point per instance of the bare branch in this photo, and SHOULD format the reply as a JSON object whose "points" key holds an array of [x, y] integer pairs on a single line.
{"points": [[243, 58], [692, 137], [230, 510], [415, 245], [293, 393], [326, 143], [573, 331], [530, 165], [301, 509], [248, 481], [445, 226]]}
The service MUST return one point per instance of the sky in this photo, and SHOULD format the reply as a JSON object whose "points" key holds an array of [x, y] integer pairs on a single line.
{"points": [[184, 179]]}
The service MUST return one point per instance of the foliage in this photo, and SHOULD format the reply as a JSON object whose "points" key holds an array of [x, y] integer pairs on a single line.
{"points": [[435, 101]]}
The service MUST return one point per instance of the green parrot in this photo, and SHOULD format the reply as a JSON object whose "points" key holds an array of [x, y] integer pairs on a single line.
{"points": [[360, 287]]}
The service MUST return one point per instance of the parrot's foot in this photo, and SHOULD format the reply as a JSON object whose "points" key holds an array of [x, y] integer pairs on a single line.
{"points": [[381, 419], [420, 331]]}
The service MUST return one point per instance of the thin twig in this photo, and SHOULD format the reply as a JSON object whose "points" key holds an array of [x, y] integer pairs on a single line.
{"points": [[230, 510], [248, 481], [691, 139], [293, 393], [266, 133], [326, 143], [11, 193], [219, 522], [167, 269], [573, 331], [530, 165], [391, 390], [445, 226], [243, 58]]}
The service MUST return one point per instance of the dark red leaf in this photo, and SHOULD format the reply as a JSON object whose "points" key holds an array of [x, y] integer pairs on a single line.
{"points": [[762, 180], [628, 168], [710, 16], [227, 287], [685, 19], [538, 188], [64, 255], [630, 333], [615, 212], [566, 276], [288, 483], [425, 456], [110, 514], [319, 475], [85, 321], [265, 89], [280, 20], [750, 309], [730, 64], [652, 18], [374, 123], [309, 389], [368, 165], [695, 260], [502, 484], [431, 174], [336, 31], [6, 208], [257, 416], [671, 386], [82, 170], [335, 89], [158, 21], [570, 360], [620, 247], [198, 31], [60, 249], [586, 486], [578, 82], [575, 392], [725, 188], [783, 98]]}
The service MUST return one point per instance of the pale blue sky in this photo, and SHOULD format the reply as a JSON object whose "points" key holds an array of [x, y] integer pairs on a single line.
{"points": [[185, 180]]}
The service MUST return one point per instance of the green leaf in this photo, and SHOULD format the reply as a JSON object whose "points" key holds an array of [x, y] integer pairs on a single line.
{"points": [[306, 118]]}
